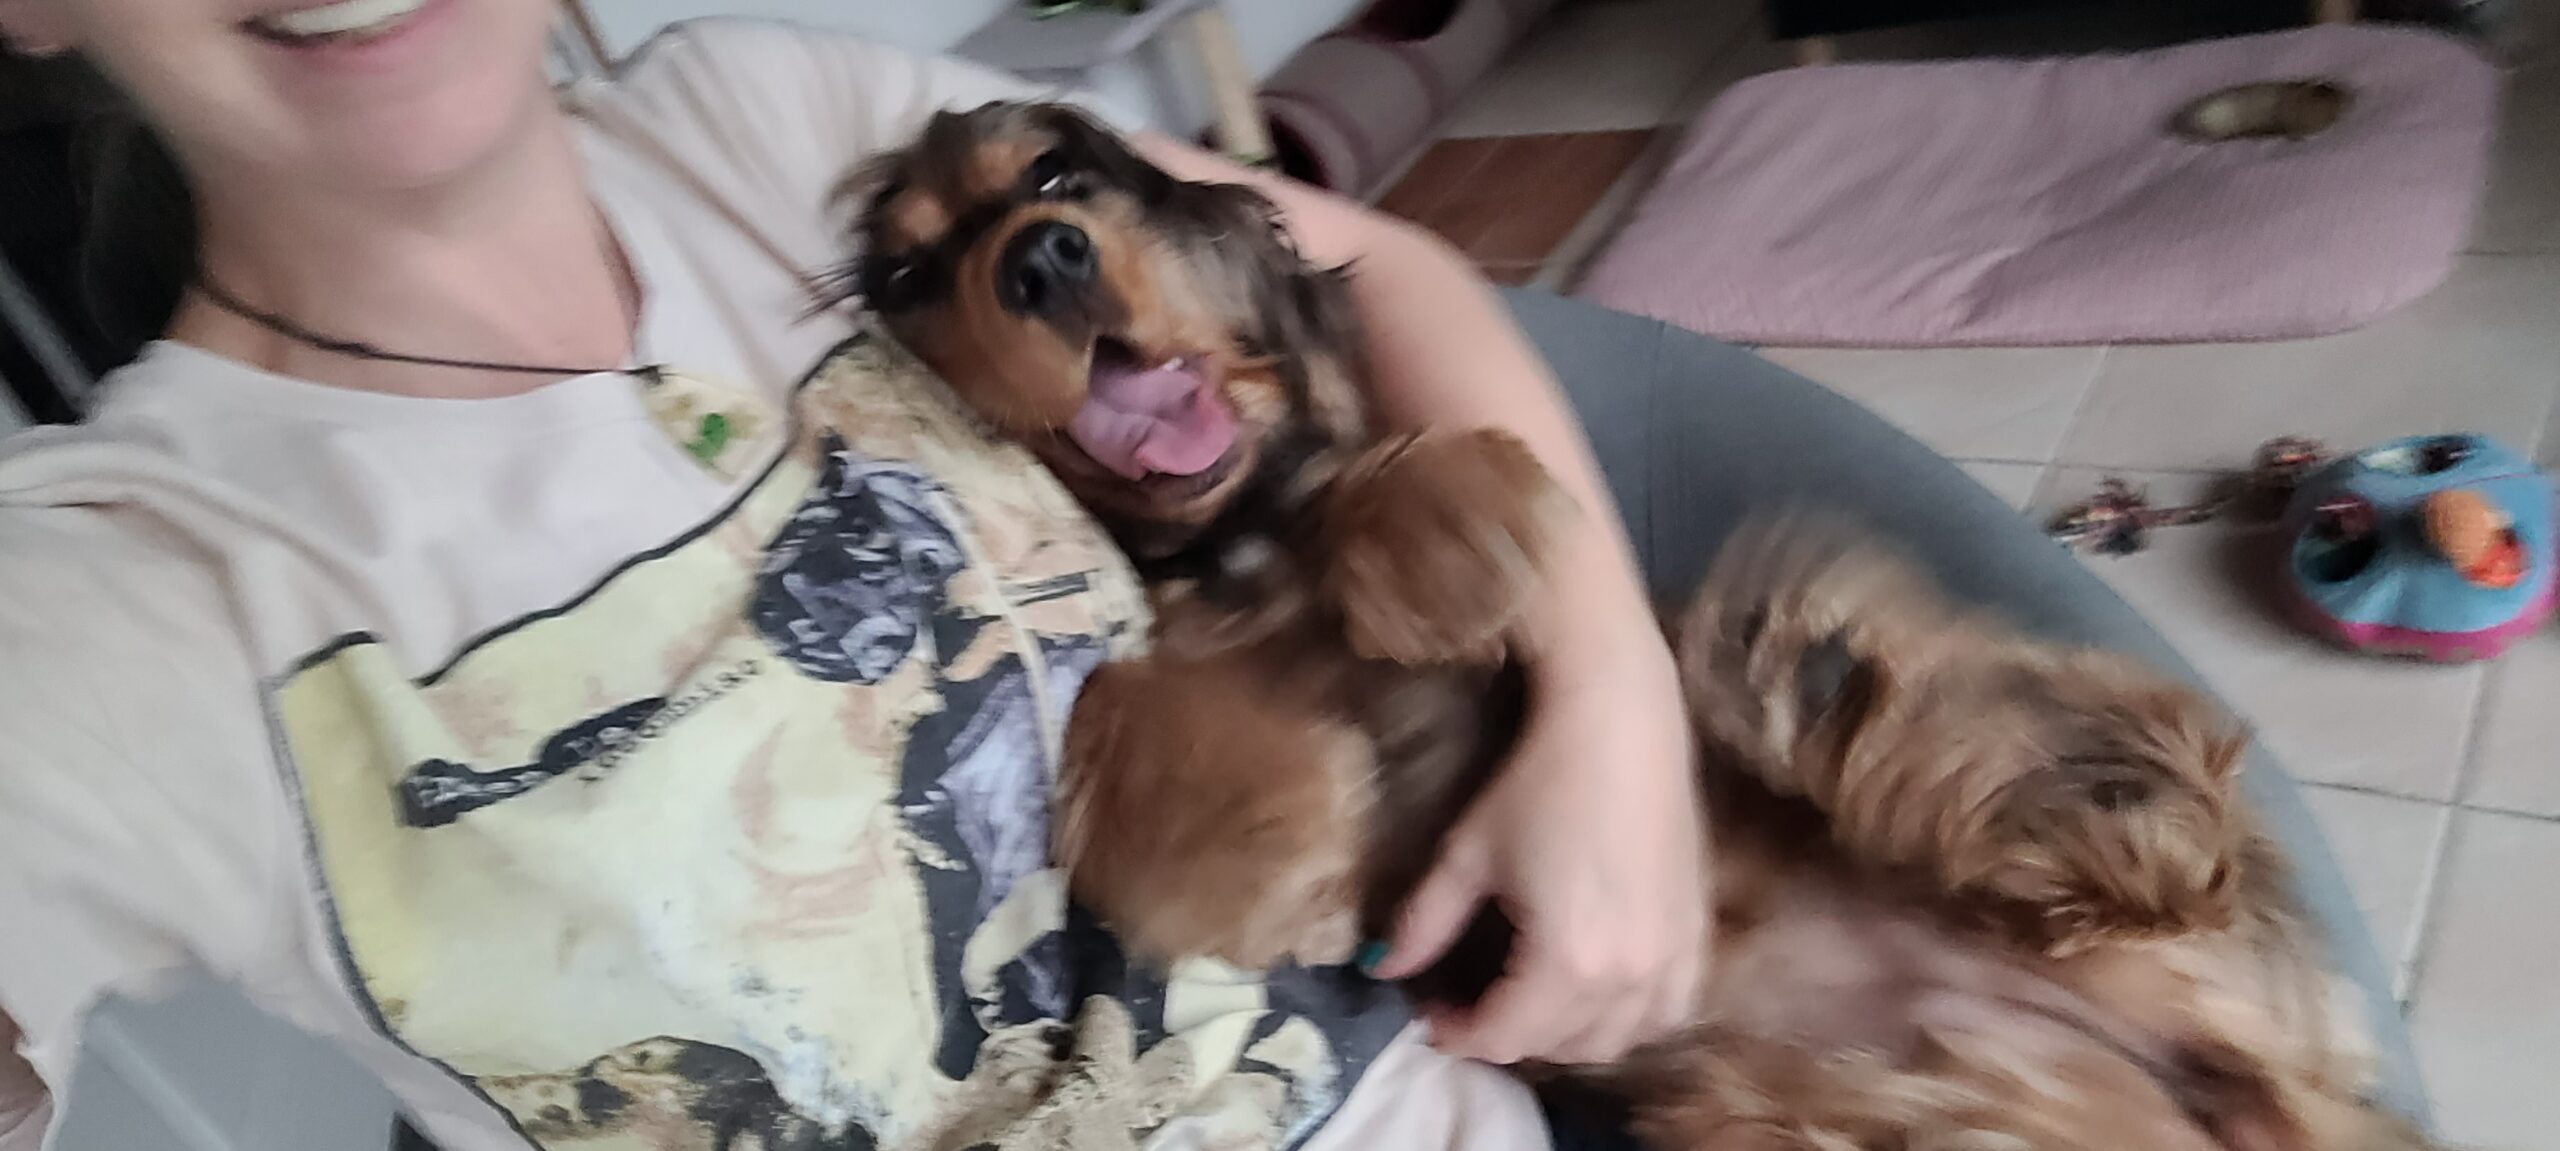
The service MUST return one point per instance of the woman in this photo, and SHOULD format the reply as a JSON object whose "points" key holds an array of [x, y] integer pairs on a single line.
{"points": [[304, 630]]}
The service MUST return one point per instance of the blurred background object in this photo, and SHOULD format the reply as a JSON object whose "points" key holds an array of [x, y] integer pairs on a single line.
{"points": [[1348, 108], [1075, 44], [1846, 207], [1163, 83]]}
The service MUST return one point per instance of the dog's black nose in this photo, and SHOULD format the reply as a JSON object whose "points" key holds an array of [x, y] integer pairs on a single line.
{"points": [[1045, 268]]}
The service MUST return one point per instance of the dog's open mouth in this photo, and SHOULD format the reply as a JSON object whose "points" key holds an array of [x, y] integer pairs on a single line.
{"points": [[1144, 419]]}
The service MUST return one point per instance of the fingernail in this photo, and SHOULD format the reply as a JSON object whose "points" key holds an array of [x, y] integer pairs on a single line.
{"points": [[1369, 956]]}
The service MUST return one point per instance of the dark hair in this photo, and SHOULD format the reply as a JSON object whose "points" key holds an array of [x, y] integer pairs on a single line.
{"points": [[107, 233], [138, 235]]}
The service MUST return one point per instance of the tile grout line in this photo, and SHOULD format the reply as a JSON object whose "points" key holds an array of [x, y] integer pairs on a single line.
{"points": [[2147, 469], [2410, 964], [2424, 927], [2466, 770], [2431, 892], [2079, 411], [2370, 791], [2505, 812]]}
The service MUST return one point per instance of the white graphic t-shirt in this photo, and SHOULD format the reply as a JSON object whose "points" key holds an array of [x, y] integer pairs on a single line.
{"points": [[648, 762]]}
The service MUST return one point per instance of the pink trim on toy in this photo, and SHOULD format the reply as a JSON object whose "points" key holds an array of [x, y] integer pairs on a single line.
{"points": [[2440, 646]]}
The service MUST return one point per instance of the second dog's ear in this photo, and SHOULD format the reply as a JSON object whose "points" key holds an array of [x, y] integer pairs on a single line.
{"points": [[1100, 150]]}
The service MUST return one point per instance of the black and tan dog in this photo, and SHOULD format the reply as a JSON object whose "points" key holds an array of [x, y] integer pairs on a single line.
{"points": [[1971, 890], [1332, 601]]}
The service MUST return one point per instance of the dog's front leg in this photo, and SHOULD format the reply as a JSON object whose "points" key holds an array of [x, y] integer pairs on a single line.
{"points": [[1205, 809], [1435, 543]]}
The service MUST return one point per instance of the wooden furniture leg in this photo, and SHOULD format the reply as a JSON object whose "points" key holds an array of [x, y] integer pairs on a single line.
{"points": [[1242, 134], [583, 23], [2334, 11], [1814, 50]]}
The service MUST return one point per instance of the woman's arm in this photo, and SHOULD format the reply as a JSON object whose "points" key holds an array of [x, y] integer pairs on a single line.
{"points": [[22, 1095], [1590, 839]]}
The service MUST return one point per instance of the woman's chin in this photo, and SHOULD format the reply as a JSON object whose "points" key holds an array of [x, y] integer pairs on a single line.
{"points": [[422, 148], [456, 84]]}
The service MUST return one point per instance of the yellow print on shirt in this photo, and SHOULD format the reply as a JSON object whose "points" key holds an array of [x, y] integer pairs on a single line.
{"points": [[745, 848]]}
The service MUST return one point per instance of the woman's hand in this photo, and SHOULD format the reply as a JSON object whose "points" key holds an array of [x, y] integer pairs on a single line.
{"points": [[1590, 841]]}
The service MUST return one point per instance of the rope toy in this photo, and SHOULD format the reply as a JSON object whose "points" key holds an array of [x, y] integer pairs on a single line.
{"points": [[2118, 520]]}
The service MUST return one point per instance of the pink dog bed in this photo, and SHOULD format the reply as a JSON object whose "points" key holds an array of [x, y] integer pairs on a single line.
{"points": [[2045, 201]]}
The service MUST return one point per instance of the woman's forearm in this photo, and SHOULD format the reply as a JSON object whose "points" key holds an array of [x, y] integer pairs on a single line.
{"points": [[1446, 353]]}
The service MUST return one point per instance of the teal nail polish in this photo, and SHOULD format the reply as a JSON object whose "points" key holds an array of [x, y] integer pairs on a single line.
{"points": [[1369, 956]]}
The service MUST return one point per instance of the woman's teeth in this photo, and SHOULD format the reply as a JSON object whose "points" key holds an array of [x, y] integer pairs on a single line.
{"points": [[349, 18]]}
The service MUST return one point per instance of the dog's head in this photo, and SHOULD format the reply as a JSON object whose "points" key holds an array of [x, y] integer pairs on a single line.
{"points": [[1155, 341]]}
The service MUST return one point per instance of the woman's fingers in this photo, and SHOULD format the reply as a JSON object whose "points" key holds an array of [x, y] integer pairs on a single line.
{"points": [[1590, 841], [1528, 1013], [1441, 908]]}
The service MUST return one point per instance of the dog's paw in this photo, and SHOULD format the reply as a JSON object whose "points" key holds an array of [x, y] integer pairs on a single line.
{"points": [[1204, 811], [1806, 636], [1437, 542]]}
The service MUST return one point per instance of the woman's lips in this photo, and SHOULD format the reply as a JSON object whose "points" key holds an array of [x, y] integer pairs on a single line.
{"points": [[405, 30], [346, 20]]}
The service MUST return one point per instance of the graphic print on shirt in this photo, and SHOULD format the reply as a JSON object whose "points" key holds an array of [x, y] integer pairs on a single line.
{"points": [[745, 848]]}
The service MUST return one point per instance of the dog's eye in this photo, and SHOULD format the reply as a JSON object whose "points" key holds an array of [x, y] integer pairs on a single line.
{"points": [[2118, 794], [1048, 176], [892, 282]]}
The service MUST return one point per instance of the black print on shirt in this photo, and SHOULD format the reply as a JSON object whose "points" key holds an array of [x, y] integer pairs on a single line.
{"points": [[438, 791], [676, 1094], [848, 585]]}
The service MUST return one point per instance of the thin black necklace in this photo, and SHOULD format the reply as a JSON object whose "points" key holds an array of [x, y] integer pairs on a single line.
{"points": [[358, 349]]}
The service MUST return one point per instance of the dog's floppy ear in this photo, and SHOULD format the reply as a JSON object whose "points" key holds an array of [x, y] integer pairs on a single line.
{"points": [[1100, 150]]}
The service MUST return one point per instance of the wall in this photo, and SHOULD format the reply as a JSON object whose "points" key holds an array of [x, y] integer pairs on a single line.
{"points": [[1159, 90], [916, 25]]}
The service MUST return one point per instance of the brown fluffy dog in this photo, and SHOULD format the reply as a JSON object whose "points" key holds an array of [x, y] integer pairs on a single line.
{"points": [[1971, 891]]}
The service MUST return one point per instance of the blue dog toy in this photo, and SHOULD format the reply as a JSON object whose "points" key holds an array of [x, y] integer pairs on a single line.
{"points": [[2434, 546]]}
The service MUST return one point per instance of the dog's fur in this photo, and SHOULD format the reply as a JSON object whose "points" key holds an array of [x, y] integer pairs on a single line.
{"points": [[1971, 890]]}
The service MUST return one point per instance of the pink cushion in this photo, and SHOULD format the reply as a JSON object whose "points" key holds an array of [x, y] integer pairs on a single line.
{"points": [[2043, 201]]}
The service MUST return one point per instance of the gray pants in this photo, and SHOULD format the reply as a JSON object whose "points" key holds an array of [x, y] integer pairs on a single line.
{"points": [[1695, 434]]}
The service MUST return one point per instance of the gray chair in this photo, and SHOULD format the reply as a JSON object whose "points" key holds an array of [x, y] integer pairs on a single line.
{"points": [[1696, 434]]}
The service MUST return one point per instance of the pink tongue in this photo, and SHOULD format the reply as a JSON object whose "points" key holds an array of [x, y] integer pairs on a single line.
{"points": [[1147, 421]]}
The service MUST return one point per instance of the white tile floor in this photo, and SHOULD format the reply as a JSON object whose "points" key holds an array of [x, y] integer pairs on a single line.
{"points": [[2439, 786]]}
